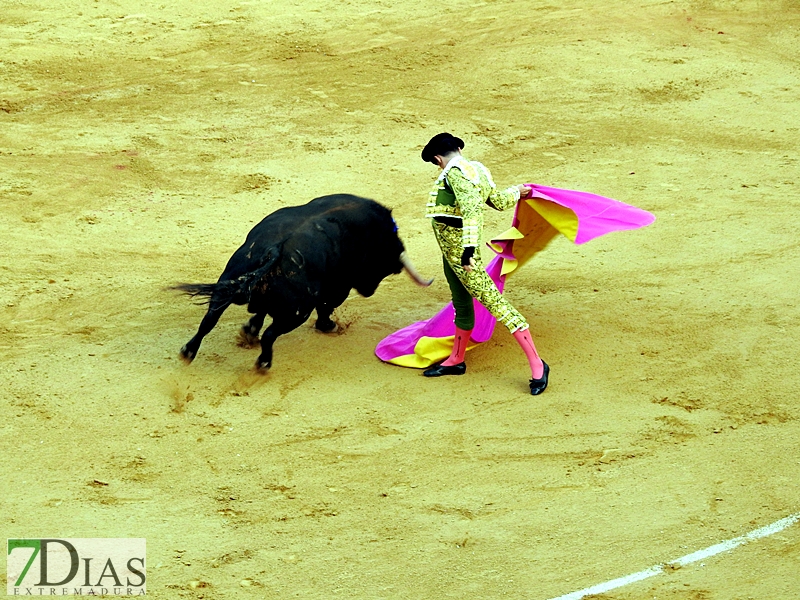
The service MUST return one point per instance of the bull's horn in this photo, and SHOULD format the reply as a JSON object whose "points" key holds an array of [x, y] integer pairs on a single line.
{"points": [[412, 271]]}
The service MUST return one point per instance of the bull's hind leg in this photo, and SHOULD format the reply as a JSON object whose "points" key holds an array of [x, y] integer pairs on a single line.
{"points": [[280, 325], [215, 310], [248, 334]]}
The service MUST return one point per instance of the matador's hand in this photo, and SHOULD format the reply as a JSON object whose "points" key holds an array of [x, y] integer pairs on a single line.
{"points": [[468, 268], [524, 191]]}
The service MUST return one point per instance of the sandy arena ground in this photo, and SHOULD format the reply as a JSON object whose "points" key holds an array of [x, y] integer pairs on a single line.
{"points": [[139, 143]]}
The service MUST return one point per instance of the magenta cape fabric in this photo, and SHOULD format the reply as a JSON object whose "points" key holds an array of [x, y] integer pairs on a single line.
{"points": [[596, 215], [588, 216]]}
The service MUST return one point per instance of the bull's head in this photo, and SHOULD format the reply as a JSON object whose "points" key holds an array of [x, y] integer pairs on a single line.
{"points": [[386, 256]]}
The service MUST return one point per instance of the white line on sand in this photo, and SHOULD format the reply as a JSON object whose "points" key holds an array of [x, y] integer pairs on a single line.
{"points": [[685, 560]]}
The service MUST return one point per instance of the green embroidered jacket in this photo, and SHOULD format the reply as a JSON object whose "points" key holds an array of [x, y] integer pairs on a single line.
{"points": [[461, 190]]}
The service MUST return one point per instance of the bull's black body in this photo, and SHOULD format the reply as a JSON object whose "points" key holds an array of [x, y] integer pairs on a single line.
{"points": [[299, 259]]}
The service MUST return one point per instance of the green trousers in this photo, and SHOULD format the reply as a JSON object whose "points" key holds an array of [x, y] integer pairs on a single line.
{"points": [[462, 299]]}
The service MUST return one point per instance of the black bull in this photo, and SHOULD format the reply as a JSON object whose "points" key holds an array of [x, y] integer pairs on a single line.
{"points": [[299, 259]]}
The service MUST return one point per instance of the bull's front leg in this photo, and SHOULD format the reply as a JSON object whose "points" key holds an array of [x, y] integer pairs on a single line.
{"points": [[248, 334], [325, 308], [280, 325], [324, 322]]}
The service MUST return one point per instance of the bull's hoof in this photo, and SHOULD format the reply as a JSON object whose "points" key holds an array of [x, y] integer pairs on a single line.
{"points": [[326, 326], [246, 339], [187, 355], [264, 362]]}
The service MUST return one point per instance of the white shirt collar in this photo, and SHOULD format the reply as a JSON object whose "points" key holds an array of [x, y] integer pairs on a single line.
{"points": [[452, 163]]}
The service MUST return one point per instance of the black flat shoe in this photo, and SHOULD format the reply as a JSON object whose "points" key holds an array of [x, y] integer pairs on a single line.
{"points": [[439, 370], [540, 385]]}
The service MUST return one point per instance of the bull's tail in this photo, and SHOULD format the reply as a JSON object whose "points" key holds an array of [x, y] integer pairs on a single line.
{"points": [[230, 291], [204, 290]]}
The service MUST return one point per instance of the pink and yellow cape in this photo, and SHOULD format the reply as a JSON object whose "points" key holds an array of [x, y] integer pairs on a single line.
{"points": [[579, 216]]}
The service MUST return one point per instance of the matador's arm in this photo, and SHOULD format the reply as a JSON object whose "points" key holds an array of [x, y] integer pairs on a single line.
{"points": [[503, 199]]}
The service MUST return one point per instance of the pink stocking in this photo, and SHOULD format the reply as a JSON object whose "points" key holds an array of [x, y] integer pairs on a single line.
{"points": [[459, 348], [523, 338]]}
